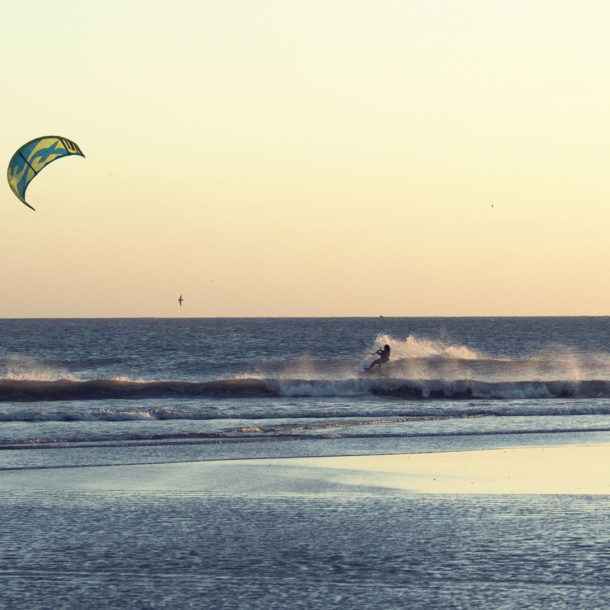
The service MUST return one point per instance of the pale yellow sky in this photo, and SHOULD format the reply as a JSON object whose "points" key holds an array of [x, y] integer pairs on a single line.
{"points": [[282, 157]]}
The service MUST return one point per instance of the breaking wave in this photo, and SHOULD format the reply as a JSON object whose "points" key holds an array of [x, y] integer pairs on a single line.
{"points": [[417, 358], [416, 389], [420, 369]]}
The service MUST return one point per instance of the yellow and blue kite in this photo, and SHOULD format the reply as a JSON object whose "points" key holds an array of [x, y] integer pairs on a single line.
{"points": [[32, 157]]}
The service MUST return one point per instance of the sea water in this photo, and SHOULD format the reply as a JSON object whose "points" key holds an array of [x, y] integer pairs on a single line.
{"points": [[163, 382], [76, 395]]}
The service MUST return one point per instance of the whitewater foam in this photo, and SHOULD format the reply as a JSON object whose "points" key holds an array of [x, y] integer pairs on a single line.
{"points": [[22, 367], [422, 347]]}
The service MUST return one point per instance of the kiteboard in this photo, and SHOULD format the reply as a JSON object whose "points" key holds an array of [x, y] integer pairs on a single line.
{"points": [[374, 372]]}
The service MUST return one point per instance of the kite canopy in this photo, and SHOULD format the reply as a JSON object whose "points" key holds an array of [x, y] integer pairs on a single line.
{"points": [[32, 157]]}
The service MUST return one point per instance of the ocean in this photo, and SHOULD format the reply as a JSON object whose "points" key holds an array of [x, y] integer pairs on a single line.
{"points": [[106, 424], [73, 382]]}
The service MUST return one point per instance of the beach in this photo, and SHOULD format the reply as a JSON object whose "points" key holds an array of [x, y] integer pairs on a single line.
{"points": [[521, 526], [305, 305]]}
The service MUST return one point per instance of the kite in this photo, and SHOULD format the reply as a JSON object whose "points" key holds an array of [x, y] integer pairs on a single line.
{"points": [[32, 157]]}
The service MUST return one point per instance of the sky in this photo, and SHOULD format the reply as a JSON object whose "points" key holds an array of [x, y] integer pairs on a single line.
{"points": [[319, 158]]}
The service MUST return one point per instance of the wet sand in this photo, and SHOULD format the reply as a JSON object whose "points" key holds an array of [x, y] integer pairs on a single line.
{"points": [[518, 470], [520, 527]]}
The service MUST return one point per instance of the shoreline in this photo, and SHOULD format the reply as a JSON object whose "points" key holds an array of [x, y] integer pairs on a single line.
{"points": [[582, 469], [121, 455]]}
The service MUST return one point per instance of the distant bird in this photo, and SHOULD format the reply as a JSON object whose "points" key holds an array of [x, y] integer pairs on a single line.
{"points": [[491, 204], [180, 301]]}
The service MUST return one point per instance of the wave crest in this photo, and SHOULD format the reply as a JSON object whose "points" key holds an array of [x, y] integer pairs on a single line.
{"points": [[421, 347], [426, 389]]}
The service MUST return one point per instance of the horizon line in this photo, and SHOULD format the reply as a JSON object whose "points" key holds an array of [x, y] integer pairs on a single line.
{"points": [[295, 317]]}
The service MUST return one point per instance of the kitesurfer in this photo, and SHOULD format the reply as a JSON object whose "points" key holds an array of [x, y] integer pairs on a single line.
{"points": [[180, 301], [384, 356]]}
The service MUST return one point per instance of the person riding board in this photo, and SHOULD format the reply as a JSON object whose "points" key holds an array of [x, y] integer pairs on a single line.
{"points": [[384, 356]]}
